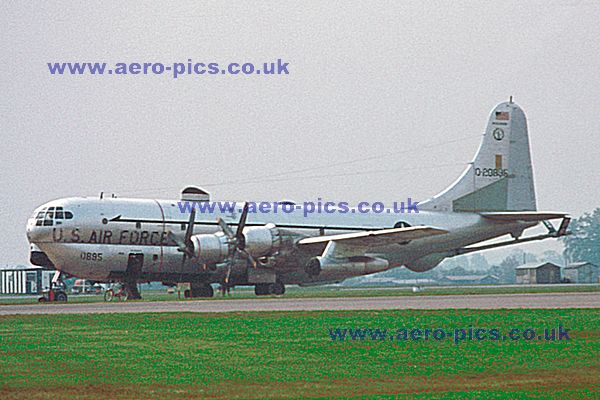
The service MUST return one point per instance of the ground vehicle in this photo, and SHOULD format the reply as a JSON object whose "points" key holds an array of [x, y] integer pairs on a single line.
{"points": [[55, 293], [117, 291], [83, 286]]}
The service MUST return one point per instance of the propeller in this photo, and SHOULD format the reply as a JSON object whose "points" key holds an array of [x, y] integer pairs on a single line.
{"points": [[186, 246], [237, 240]]}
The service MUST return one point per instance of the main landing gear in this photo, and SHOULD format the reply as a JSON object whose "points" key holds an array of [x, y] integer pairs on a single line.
{"points": [[263, 289], [132, 290], [199, 290]]}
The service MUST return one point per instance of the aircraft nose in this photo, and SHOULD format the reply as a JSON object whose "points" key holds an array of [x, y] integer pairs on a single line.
{"points": [[32, 232]]}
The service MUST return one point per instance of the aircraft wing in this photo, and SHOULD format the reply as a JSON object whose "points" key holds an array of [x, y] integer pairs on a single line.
{"points": [[527, 216], [356, 243]]}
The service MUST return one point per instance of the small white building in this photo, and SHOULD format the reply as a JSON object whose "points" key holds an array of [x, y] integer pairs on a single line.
{"points": [[24, 279]]}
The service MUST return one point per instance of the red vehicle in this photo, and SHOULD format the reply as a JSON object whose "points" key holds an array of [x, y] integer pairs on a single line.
{"points": [[55, 293]]}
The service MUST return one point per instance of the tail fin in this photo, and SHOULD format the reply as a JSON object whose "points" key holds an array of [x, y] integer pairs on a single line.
{"points": [[500, 178]]}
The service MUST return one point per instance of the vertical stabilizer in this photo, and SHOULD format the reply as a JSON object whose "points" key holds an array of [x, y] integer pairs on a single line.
{"points": [[500, 178]]}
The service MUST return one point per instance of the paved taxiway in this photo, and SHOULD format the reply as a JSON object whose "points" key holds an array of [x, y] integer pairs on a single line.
{"points": [[495, 301]]}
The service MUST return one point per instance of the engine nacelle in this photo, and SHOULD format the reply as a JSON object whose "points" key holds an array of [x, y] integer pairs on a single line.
{"points": [[259, 242], [262, 241], [210, 248], [331, 268]]}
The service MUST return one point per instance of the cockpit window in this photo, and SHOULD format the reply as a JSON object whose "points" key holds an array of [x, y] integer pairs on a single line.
{"points": [[47, 218]]}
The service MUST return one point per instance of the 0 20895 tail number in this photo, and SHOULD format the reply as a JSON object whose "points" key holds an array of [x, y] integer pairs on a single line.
{"points": [[491, 172], [91, 256]]}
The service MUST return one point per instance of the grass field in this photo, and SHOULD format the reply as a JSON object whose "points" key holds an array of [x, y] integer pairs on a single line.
{"points": [[320, 291], [291, 355]]}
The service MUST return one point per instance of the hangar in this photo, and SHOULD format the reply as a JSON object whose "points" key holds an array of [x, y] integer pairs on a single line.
{"points": [[581, 272], [533, 273]]}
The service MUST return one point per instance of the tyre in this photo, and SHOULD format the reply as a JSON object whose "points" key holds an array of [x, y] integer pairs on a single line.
{"points": [[108, 295], [204, 290], [124, 295], [277, 288], [261, 289], [61, 296]]}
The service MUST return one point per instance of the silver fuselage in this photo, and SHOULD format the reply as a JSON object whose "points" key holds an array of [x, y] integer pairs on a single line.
{"points": [[96, 242]]}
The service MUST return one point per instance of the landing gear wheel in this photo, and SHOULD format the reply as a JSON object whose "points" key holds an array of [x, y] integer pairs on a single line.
{"points": [[262, 289], [203, 290], [277, 288], [208, 291]]}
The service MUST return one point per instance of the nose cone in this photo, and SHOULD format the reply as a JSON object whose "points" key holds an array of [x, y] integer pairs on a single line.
{"points": [[31, 231], [40, 224], [39, 231]]}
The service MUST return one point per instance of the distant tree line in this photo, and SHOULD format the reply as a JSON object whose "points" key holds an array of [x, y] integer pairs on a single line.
{"points": [[584, 242]]}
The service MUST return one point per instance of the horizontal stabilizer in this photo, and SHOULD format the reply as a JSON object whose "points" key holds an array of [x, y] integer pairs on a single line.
{"points": [[527, 216], [376, 238]]}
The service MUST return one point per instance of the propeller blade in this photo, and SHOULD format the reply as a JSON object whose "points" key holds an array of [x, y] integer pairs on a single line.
{"points": [[183, 260], [228, 273], [171, 236], [226, 229], [248, 257], [182, 247], [190, 229], [230, 265], [237, 240], [242, 223]]}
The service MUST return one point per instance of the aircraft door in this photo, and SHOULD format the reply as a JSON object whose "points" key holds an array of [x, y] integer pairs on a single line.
{"points": [[135, 263]]}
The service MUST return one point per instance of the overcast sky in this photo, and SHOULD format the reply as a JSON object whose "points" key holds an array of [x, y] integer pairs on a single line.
{"points": [[401, 90]]}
